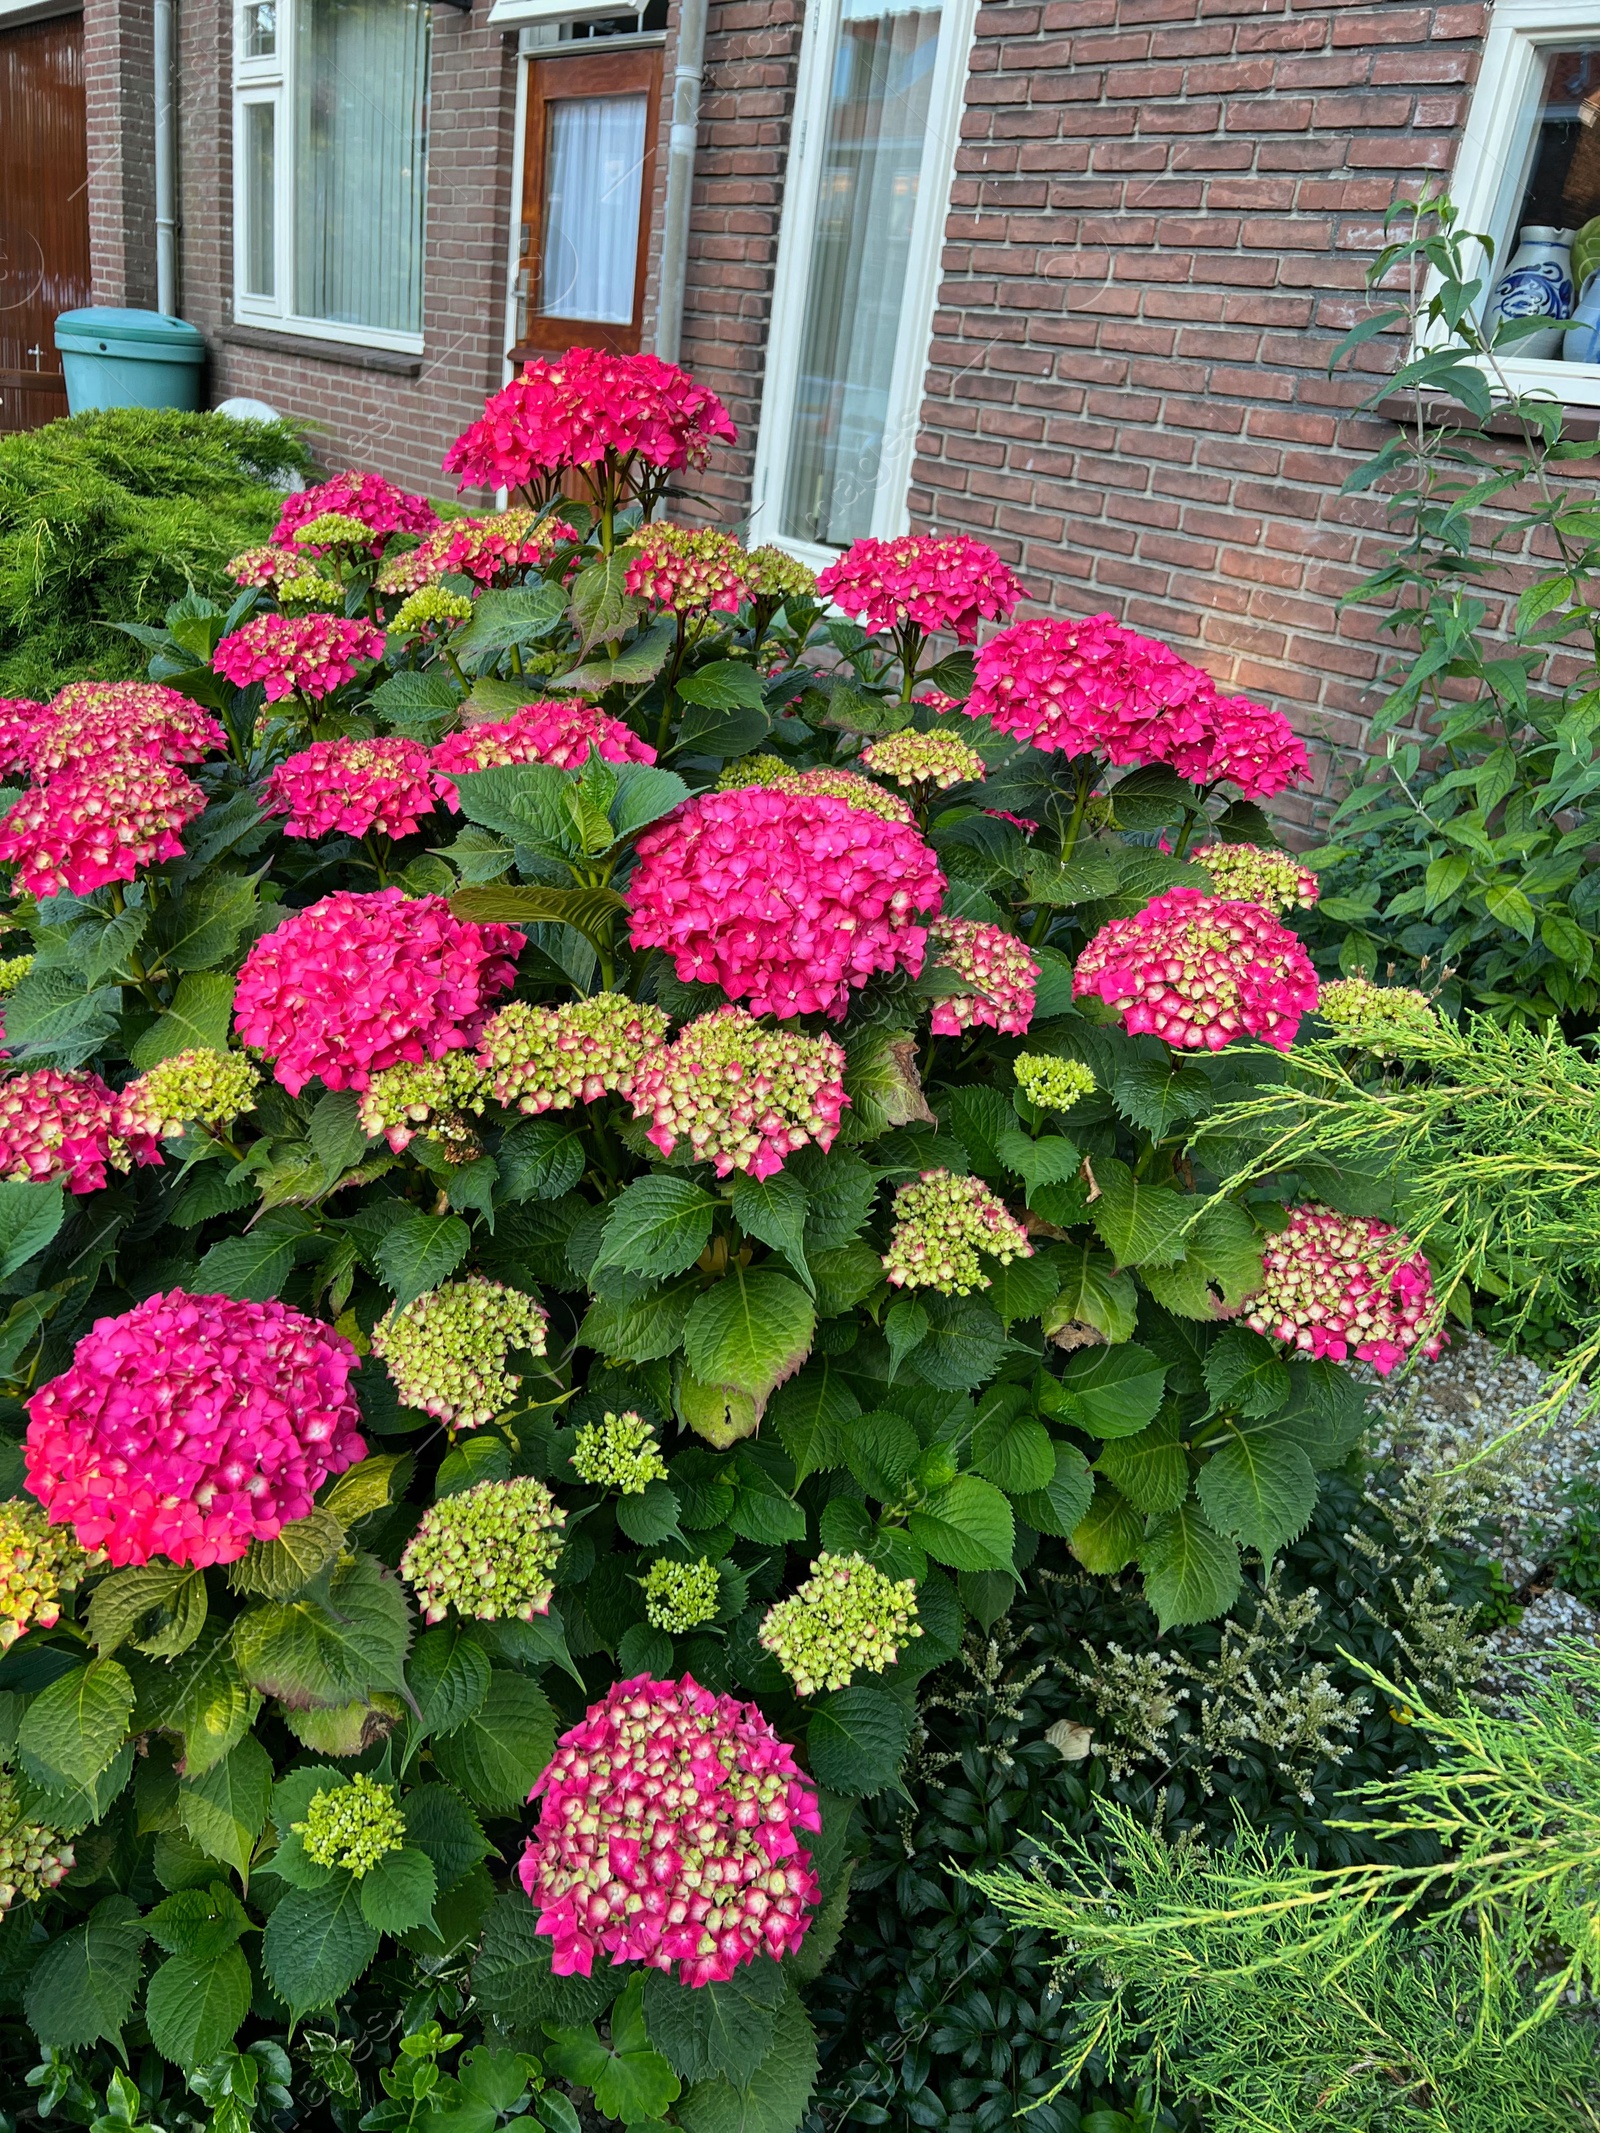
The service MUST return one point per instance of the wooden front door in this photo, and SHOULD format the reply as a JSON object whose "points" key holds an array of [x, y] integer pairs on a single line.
{"points": [[44, 211], [588, 174]]}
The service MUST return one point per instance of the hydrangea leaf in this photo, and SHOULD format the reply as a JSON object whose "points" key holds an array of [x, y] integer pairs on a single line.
{"points": [[1151, 1469], [397, 1894], [967, 1525], [200, 1017], [724, 2028], [440, 1823], [1139, 1223], [1258, 1487], [1094, 1299], [773, 1210], [751, 1331], [419, 1252], [1107, 1392], [224, 1809], [277, 1569], [1015, 1453], [448, 1675], [201, 1697], [643, 1328], [811, 1415], [857, 1738], [495, 1755], [194, 2007], [84, 1983], [1191, 1571], [311, 1651], [881, 1449], [71, 1730], [317, 1944], [657, 1225], [778, 2093], [512, 1977], [1109, 1534], [30, 1215], [1220, 1267]]}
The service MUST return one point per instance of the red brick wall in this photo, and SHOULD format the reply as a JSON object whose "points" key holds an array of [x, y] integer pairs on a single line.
{"points": [[119, 78], [1162, 213]]}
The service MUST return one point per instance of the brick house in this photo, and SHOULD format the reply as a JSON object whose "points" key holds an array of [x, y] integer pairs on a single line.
{"points": [[1061, 273]]}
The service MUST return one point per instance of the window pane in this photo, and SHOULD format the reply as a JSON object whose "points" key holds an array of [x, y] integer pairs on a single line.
{"points": [[261, 29], [856, 278], [260, 168], [594, 162], [361, 119]]}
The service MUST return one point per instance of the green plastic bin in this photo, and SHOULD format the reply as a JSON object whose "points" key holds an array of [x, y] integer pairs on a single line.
{"points": [[129, 359]]}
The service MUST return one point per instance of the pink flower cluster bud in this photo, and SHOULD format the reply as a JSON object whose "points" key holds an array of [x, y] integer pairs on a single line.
{"points": [[786, 900], [577, 409], [502, 545], [1198, 971], [938, 759], [20, 721], [550, 1058], [377, 504], [91, 722], [1252, 874], [84, 828], [348, 787], [941, 1223], [560, 731], [743, 1097], [1338, 1285], [934, 583], [692, 570], [38, 1563], [63, 1129], [409, 569], [306, 655], [998, 964], [424, 1095], [264, 566], [360, 982], [191, 1426], [669, 1832], [1095, 688]]}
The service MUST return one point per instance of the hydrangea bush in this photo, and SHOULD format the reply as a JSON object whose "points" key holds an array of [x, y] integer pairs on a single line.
{"points": [[584, 1182]]}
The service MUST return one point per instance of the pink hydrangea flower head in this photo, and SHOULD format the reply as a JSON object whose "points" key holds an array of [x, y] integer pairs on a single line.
{"points": [[998, 964], [1338, 1285], [1090, 687], [502, 546], [359, 982], [87, 827], [191, 1426], [743, 1097], [558, 731], [788, 901], [929, 582], [692, 570], [89, 721], [1245, 745], [264, 565], [409, 569], [20, 723], [378, 504], [551, 1058], [1254, 874], [1198, 971], [306, 655], [669, 1832], [63, 1129], [349, 787], [578, 409]]}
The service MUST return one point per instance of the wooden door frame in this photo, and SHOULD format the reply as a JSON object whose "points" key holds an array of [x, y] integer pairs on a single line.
{"points": [[554, 77]]}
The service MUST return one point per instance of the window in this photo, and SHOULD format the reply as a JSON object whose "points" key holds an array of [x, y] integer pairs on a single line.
{"points": [[330, 168], [1530, 161], [870, 166]]}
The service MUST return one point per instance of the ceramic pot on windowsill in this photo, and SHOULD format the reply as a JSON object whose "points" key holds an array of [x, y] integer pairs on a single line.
{"points": [[1537, 283]]}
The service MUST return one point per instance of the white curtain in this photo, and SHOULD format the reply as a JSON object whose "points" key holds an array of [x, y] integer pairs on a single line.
{"points": [[361, 140], [867, 200], [594, 169]]}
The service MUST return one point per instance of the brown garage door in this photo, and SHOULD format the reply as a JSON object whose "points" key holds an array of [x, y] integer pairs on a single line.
{"points": [[44, 211]]}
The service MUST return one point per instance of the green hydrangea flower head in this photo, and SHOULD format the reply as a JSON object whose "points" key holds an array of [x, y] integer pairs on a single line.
{"points": [[199, 1087], [446, 1353], [38, 1563], [941, 1223], [553, 1058], [938, 759], [309, 588], [773, 575], [489, 1553], [1254, 874], [619, 1452], [13, 969], [419, 1096], [33, 1858], [433, 606], [1052, 1084], [1370, 1016], [759, 769], [353, 1825], [680, 1596], [332, 529], [847, 1615]]}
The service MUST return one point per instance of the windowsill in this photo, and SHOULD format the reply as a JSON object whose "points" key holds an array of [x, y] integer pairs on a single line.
{"points": [[1580, 420], [346, 354]]}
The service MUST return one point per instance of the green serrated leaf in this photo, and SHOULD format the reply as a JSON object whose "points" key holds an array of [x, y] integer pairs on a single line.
{"points": [[968, 1526], [1061, 1505], [277, 1569], [419, 1252], [1191, 1572], [1141, 1225], [779, 2091], [774, 1211], [194, 2008], [84, 1983], [751, 1331], [495, 1755], [200, 1015], [224, 1810], [71, 1730], [1258, 1487], [1152, 1469], [1110, 1532], [656, 1225], [310, 1651], [707, 2030], [857, 1739], [398, 1893], [30, 1215], [201, 1698], [317, 1944]]}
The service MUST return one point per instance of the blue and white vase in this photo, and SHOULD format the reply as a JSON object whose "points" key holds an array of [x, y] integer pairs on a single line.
{"points": [[1581, 341], [1536, 284]]}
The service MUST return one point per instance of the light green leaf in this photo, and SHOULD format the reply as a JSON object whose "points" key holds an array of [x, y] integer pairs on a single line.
{"points": [[363, 1488], [198, 1922], [1151, 1469], [72, 1729], [967, 1526], [1015, 1452], [317, 1944], [518, 615], [1259, 1488], [602, 607], [905, 1328], [751, 1331], [644, 793], [1142, 1225], [1093, 1296], [1059, 1507], [200, 1015], [277, 1569], [419, 1252], [224, 1810], [724, 685], [51, 1018], [306, 1652], [657, 1225], [200, 1697], [774, 1210], [591, 912], [1107, 1392], [30, 1215], [495, 1755], [194, 2008], [643, 1330], [1191, 1572], [1109, 1534]]}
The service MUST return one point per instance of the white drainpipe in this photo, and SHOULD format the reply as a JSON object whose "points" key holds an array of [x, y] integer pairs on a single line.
{"points": [[166, 161], [680, 177]]}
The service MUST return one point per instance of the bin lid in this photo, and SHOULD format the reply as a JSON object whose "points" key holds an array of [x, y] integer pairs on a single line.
{"points": [[101, 328]]}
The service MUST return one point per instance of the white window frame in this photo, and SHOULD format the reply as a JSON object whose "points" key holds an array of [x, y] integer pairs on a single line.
{"points": [[797, 228], [270, 80], [1491, 171]]}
